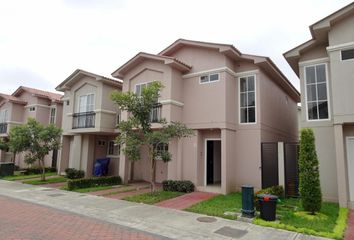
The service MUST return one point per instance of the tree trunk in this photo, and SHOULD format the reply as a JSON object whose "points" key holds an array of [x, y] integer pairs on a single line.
{"points": [[152, 172], [41, 163], [14, 155]]}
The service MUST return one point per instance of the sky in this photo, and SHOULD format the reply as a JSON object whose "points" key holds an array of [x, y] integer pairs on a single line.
{"points": [[43, 41]]}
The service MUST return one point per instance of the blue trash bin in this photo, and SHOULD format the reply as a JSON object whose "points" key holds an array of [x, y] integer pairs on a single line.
{"points": [[101, 167]]}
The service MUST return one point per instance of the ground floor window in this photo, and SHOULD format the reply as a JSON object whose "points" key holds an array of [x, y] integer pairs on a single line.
{"points": [[113, 149]]}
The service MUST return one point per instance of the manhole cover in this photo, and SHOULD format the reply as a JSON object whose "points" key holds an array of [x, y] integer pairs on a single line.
{"points": [[48, 189], [56, 195], [231, 232], [206, 219]]}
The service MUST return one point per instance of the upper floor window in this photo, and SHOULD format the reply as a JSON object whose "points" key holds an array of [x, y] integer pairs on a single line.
{"points": [[3, 116], [118, 117], [316, 92], [213, 77], [139, 87], [52, 115], [247, 94], [32, 109], [113, 149], [347, 54], [86, 103]]}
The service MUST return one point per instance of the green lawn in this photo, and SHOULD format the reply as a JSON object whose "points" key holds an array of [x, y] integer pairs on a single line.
{"points": [[218, 205], [47, 181], [17, 176], [90, 189], [152, 198], [329, 222]]}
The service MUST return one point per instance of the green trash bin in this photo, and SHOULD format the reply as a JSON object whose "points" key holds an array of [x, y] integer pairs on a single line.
{"points": [[7, 169]]}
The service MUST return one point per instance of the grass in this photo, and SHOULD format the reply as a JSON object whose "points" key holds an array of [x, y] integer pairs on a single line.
{"points": [[330, 222], [47, 181], [152, 198], [17, 176], [218, 205], [90, 189]]}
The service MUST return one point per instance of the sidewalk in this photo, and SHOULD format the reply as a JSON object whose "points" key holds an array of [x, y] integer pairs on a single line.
{"points": [[186, 200], [165, 222]]}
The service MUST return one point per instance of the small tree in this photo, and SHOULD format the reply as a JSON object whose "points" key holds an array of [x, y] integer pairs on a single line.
{"points": [[310, 189], [136, 132], [3, 145], [36, 141]]}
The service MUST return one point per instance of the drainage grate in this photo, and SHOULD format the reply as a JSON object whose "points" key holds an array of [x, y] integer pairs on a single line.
{"points": [[56, 195], [206, 219], [231, 232]]}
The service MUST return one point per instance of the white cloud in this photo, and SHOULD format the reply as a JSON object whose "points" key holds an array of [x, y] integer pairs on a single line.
{"points": [[47, 40]]}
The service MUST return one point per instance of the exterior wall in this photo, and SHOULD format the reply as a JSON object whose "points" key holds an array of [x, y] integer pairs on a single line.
{"points": [[342, 32]]}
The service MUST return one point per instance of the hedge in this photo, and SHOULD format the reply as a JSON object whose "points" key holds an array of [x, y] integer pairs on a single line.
{"points": [[93, 182], [178, 186], [30, 171], [73, 173]]}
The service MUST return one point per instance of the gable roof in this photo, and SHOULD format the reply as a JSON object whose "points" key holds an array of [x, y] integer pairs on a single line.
{"points": [[79, 73], [171, 61], [55, 97], [11, 98], [319, 32]]}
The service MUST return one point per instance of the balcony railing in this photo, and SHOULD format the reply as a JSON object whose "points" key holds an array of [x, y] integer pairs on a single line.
{"points": [[84, 120], [155, 115], [3, 128]]}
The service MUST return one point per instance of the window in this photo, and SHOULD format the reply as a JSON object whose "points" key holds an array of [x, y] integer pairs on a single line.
{"points": [[347, 54], [113, 149], [3, 116], [86, 103], [213, 77], [101, 143], [139, 87], [247, 99], [32, 109], [161, 148], [52, 115], [316, 92], [67, 102]]}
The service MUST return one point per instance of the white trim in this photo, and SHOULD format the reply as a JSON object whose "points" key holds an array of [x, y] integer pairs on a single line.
{"points": [[143, 83], [14, 122], [50, 114], [86, 94], [348, 168], [314, 61], [328, 98], [208, 75], [105, 111], [171, 101], [343, 46], [65, 98], [37, 105], [255, 100], [218, 70], [205, 157], [247, 73]]}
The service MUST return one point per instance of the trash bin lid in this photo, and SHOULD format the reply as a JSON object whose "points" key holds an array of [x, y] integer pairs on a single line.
{"points": [[246, 186], [267, 197]]}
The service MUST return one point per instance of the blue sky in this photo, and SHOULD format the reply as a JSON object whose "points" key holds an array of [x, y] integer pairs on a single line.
{"points": [[42, 42]]}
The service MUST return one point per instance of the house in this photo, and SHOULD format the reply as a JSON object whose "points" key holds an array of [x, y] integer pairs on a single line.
{"points": [[325, 66], [24, 103], [89, 122], [235, 102]]}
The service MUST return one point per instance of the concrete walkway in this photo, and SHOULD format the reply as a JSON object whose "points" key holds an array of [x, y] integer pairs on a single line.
{"points": [[186, 200], [159, 221], [349, 233]]}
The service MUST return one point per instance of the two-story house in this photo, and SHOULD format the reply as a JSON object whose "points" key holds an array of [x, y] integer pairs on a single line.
{"points": [[24, 103], [89, 122], [325, 66], [233, 101]]}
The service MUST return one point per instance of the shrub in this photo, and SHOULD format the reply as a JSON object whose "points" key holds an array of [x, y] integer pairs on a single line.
{"points": [[309, 176], [29, 171], [73, 173], [178, 186], [93, 182]]}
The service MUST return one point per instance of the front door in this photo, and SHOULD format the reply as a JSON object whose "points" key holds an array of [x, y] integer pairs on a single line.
{"points": [[350, 159], [54, 158], [210, 162]]}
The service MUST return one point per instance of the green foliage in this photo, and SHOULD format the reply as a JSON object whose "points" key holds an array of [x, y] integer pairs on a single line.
{"points": [[274, 190], [4, 146], [36, 140], [30, 171], [73, 173], [309, 176], [137, 132], [178, 186], [152, 198], [93, 182], [47, 181]]}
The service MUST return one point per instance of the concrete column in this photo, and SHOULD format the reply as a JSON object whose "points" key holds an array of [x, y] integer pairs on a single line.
{"points": [[63, 154], [227, 158], [179, 159], [2, 156], [75, 153], [341, 166], [124, 167], [87, 155], [281, 166]]}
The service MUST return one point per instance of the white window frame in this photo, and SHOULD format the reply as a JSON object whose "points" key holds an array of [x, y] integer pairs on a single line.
{"points": [[208, 75], [114, 146], [32, 109], [5, 116], [141, 84], [255, 99], [78, 102], [340, 55], [51, 117], [328, 97]]}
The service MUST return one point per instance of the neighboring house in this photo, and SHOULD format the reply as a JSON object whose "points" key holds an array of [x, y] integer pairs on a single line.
{"points": [[233, 101], [325, 65], [24, 103], [89, 121]]}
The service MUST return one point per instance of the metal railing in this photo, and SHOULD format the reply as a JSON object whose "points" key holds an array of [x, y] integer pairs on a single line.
{"points": [[84, 120], [155, 115], [3, 128]]}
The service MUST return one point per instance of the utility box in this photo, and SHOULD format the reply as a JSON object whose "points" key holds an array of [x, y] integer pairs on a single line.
{"points": [[7, 169], [247, 201]]}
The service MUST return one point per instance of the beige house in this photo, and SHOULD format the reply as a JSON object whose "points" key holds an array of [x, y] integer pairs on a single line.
{"points": [[233, 101], [24, 103], [325, 65], [89, 121]]}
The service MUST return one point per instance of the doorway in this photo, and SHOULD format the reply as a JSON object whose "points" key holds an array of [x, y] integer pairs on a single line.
{"points": [[212, 162]]}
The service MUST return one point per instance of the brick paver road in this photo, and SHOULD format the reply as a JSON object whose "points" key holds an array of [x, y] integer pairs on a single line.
{"points": [[26, 221]]}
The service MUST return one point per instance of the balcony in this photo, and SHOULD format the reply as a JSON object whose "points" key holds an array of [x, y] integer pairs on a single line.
{"points": [[3, 128], [155, 115], [84, 120]]}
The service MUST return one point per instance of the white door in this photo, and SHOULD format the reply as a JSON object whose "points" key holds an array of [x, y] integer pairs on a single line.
{"points": [[350, 159]]}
